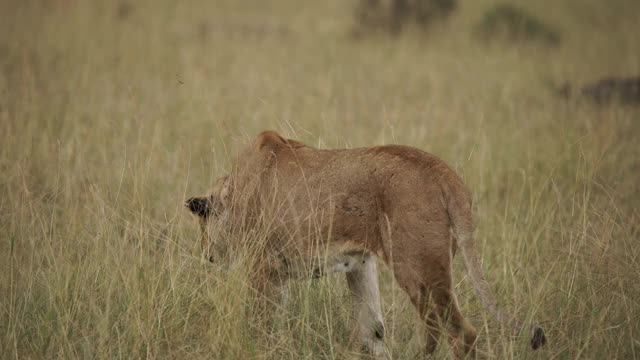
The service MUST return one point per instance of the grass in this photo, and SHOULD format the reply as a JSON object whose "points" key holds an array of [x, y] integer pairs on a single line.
{"points": [[109, 121]]}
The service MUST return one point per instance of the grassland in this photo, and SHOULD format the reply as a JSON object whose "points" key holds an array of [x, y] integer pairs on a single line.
{"points": [[110, 116]]}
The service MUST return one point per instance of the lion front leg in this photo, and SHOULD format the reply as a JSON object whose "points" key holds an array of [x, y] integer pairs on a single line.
{"points": [[365, 294], [271, 291]]}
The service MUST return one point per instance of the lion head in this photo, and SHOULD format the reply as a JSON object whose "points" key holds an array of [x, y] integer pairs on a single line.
{"points": [[211, 210]]}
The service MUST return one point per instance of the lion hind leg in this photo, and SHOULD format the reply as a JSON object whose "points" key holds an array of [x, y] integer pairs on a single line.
{"points": [[431, 293]]}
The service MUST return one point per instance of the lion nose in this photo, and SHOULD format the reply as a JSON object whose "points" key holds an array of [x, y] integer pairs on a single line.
{"points": [[198, 205]]}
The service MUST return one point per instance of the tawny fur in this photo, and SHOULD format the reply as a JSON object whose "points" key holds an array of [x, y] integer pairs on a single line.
{"points": [[401, 204]]}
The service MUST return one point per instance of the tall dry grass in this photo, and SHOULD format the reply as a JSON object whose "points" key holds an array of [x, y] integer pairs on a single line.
{"points": [[110, 118]]}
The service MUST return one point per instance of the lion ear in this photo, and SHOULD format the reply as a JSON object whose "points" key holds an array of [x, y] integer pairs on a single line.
{"points": [[200, 206], [269, 141]]}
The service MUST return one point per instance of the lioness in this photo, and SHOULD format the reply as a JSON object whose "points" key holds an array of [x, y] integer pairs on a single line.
{"points": [[339, 210]]}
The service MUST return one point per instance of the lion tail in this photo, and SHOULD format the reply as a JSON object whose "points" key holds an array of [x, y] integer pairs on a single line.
{"points": [[459, 209]]}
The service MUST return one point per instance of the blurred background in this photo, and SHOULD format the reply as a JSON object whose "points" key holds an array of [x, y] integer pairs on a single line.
{"points": [[113, 112]]}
